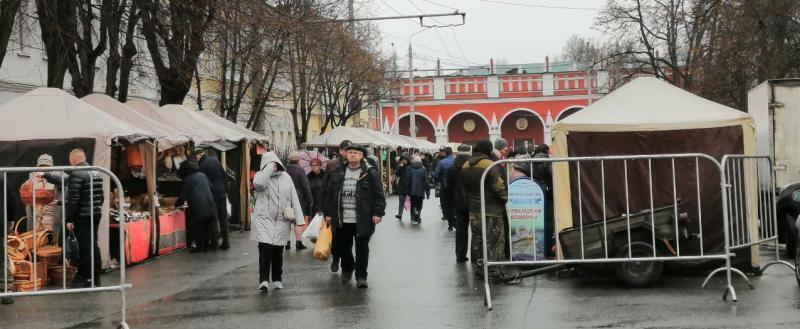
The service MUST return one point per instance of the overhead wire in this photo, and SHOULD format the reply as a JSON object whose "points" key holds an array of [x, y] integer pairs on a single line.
{"points": [[539, 5]]}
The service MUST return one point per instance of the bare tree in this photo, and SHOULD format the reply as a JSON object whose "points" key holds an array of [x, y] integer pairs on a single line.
{"points": [[121, 18], [174, 31], [8, 14]]}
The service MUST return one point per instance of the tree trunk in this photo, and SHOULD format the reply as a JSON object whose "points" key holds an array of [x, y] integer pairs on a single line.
{"points": [[8, 13], [50, 12], [128, 52]]}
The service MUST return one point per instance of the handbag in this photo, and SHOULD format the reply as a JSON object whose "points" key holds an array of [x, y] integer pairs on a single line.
{"points": [[72, 251], [322, 249]]}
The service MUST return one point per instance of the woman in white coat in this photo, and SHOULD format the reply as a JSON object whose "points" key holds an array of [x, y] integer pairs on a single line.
{"points": [[277, 207]]}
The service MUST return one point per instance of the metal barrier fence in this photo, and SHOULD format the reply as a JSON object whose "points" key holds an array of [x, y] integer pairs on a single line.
{"points": [[665, 223], [750, 192], [61, 174]]}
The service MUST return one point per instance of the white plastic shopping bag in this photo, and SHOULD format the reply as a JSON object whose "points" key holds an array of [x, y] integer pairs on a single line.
{"points": [[312, 231]]}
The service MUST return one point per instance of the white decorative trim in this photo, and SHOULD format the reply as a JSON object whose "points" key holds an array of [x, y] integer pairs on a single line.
{"points": [[580, 107], [417, 114], [497, 100], [450, 119]]}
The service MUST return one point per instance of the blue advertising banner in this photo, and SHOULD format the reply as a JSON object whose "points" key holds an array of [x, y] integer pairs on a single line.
{"points": [[525, 210]]}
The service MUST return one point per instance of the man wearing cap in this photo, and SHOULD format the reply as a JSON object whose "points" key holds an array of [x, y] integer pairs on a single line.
{"points": [[333, 165], [354, 205], [447, 195], [213, 170], [495, 200], [501, 148], [460, 206], [303, 188]]}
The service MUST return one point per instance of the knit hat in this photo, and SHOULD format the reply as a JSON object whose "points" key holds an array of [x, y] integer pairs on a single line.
{"points": [[316, 162], [483, 146], [44, 160], [500, 143], [294, 156], [464, 149]]}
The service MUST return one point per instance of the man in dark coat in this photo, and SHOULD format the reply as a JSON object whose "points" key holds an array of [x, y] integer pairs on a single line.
{"points": [[201, 213], [446, 195], [460, 205], [301, 185], [402, 183], [417, 187], [212, 168], [354, 205], [84, 209], [317, 183], [332, 166], [496, 196]]}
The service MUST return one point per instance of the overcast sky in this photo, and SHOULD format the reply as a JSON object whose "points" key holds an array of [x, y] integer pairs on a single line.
{"points": [[510, 31]]}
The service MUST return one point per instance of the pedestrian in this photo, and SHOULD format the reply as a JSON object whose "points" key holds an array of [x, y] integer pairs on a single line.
{"points": [[446, 196], [212, 168], [201, 211], [332, 166], [354, 204], [317, 183], [85, 197], [501, 146], [277, 208], [303, 188], [48, 216], [542, 172], [417, 188], [402, 184], [460, 205], [494, 204]]}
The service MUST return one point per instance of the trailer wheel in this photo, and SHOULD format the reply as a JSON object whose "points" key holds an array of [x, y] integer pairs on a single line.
{"points": [[638, 274]]}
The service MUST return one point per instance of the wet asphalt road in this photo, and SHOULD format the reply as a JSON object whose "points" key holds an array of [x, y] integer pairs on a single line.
{"points": [[414, 283]]}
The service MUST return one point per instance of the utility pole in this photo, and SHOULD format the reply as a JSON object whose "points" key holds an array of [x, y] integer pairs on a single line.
{"points": [[412, 127]]}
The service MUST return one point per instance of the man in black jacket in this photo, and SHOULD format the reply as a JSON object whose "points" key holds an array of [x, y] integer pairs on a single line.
{"points": [[213, 170], [460, 205], [332, 165], [354, 205], [84, 209], [303, 188]]}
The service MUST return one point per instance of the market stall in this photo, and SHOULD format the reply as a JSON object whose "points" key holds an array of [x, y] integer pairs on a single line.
{"points": [[51, 121], [136, 167], [251, 150], [648, 116]]}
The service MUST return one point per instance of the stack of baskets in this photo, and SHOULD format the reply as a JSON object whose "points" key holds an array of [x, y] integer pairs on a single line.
{"points": [[48, 259]]}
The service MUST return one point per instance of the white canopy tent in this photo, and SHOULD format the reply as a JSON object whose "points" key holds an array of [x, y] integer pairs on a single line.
{"points": [[166, 136], [50, 117], [648, 116]]}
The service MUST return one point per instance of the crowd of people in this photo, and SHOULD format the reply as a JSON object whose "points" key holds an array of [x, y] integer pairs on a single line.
{"points": [[346, 191], [456, 177]]}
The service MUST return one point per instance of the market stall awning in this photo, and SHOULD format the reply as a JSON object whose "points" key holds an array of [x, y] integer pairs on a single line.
{"points": [[49, 113], [164, 134], [196, 121], [339, 134], [190, 129], [247, 133]]}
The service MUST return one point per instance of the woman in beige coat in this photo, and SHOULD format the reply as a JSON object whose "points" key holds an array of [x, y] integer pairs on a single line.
{"points": [[277, 207]]}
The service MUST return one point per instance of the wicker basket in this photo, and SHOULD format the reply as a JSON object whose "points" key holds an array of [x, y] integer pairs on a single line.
{"points": [[56, 274], [50, 255], [16, 248], [23, 270], [27, 285], [42, 238]]}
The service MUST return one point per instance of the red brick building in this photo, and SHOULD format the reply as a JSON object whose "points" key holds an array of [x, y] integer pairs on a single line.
{"points": [[518, 102]]}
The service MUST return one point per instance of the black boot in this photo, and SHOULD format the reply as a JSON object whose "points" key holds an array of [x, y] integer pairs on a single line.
{"points": [[299, 245], [289, 245], [225, 245]]}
